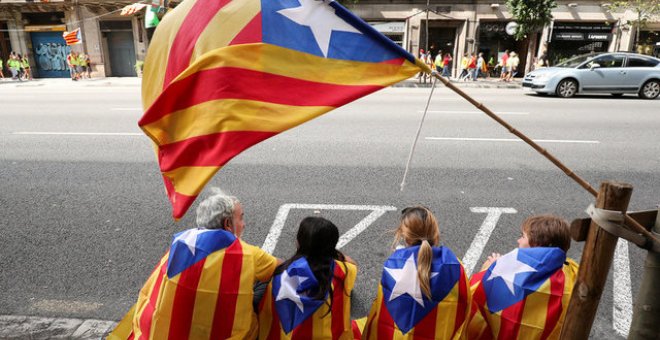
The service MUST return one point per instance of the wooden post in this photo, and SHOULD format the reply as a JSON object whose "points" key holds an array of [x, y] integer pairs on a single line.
{"points": [[595, 264]]}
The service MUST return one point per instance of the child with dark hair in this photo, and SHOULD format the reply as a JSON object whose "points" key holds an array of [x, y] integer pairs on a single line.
{"points": [[423, 291], [524, 294], [310, 293]]}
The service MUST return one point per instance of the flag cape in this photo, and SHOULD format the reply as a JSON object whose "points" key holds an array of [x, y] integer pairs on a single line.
{"points": [[281, 318], [223, 75], [538, 305], [396, 314], [72, 38], [201, 289]]}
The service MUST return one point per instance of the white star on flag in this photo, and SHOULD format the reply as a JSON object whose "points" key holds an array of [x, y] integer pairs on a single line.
{"points": [[320, 18], [506, 268], [189, 238], [406, 281], [288, 287]]}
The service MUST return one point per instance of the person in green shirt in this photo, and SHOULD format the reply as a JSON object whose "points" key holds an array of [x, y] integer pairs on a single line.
{"points": [[82, 63], [14, 66], [25, 63]]}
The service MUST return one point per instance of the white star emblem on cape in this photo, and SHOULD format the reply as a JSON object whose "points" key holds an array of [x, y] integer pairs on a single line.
{"points": [[320, 18], [406, 281], [288, 287], [189, 238], [506, 268]]}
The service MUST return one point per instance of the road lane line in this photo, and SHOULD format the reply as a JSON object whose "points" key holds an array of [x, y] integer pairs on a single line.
{"points": [[79, 133], [622, 306], [276, 229], [466, 139], [483, 235], [476, 112]]}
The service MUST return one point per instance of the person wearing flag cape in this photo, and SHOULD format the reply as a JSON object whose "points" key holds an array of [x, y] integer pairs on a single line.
{"points": [[309, 296], [524, 294], [423, 292]]}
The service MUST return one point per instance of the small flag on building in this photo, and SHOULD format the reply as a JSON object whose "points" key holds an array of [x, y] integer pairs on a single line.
{"points": [[73, 37]]}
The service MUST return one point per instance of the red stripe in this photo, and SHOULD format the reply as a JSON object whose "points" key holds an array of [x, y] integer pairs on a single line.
{"points": [[338, 292], [225, 307], [510, 321], [131, 336], [192, 27], [148, 312], [238, 83], [251, 33], [305, 330], [275, 327], [180, 202], [554, 303], [425, 328], [385, 322], [184, 301], [461, 305]]}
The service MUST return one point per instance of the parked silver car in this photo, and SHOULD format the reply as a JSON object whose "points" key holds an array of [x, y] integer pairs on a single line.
{"points": [[615, 73]]}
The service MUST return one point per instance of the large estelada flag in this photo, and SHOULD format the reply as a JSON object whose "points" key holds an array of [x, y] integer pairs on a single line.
{"points": [[401, 311], [72, 38], [523, 295], [223, 75], [201, 289]]}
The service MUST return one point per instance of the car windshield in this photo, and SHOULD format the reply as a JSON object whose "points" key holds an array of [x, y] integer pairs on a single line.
{"points": [[576, 61]]}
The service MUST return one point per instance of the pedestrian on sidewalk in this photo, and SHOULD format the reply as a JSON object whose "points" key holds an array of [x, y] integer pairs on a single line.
{"points": [[472, 66], [503, 65], [88, 62], [482, 68], [512, 66], [2, 75], [72, 61], [14, 66], [446, 65], [439, 62], [25, 63]]}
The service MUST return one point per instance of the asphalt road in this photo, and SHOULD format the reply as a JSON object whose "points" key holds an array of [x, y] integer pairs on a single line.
{"points": [[84, 218]]}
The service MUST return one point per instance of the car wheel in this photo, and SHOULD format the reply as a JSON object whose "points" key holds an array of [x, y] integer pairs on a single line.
{"points": [[617, 94], [650, 90], [567, 88]]}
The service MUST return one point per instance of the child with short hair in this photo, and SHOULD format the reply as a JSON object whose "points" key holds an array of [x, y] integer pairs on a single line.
{"points": [[524, 294]]}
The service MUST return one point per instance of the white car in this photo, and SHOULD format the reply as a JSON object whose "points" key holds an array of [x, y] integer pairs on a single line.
{"points": [[616, 73]]}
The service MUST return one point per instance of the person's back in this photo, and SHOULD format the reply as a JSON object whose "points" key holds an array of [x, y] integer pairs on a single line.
{"points": [[423, 291], [309, 296], [524, 294]]}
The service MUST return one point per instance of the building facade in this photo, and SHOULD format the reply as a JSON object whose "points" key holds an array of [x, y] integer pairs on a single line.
{"points": [[115, 43]]}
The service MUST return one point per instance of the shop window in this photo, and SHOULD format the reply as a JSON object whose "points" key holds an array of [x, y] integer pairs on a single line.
{"points": [[641, 62]]}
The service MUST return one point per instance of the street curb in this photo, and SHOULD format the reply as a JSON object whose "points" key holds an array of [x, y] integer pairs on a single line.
{"points": [[414, 83], [35, 327]]}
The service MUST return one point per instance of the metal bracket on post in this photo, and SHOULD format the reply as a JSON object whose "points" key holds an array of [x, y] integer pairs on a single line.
{"points": [[612, 222]]}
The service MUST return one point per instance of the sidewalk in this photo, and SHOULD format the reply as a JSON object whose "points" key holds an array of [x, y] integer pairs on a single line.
{"points": [[137, 82], [33, 327]]}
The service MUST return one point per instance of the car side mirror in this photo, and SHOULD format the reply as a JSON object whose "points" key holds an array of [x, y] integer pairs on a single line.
{"points": [[593, 66]]}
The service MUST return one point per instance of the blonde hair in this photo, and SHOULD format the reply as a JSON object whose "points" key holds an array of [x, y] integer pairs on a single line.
{"points": [[418, 226]]}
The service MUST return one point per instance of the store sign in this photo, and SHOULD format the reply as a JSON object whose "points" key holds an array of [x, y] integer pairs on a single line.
{"points": [[45, 28], [389, 27], [598, 36], [569, 36]]}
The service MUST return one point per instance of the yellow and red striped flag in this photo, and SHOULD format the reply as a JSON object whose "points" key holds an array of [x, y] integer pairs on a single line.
{"points": [[73, 37], [223, 75], [523, 295], [287, 313], [401, 311]]}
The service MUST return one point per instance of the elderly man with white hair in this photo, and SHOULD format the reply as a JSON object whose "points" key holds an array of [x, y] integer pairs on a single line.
{"points": [[203, 286]]}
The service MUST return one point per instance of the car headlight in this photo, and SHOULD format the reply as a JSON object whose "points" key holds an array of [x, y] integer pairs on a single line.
{"points": [[541, 76]]}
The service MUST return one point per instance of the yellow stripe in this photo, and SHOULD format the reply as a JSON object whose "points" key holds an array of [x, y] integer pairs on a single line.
{"points": [[190, 180], [494, 321], [230, 115], [145, 294], [446, 314], [124, 327], [266, 313], [159, 50], [290, 63], [322, 326], [242, 322], [534, 315], [374, 315], [207, 297], [349, 284], [160, 326], [224, 27]]}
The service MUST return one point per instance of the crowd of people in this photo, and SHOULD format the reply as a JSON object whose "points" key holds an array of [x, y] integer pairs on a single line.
{"points": [[80, 66], [473, 65], [211, 284]]}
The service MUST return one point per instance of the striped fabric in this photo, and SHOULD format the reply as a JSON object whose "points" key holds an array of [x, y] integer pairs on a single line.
{"points": [[73, 37], [539, 315], [320, 324], [442, 317], [201, 289], [223, 75]]}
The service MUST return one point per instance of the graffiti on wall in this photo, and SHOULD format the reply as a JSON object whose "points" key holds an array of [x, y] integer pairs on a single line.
{"points": [[52, 56]]}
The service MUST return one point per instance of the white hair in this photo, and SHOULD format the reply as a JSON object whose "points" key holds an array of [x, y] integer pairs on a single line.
{"points": [[216, 209]]}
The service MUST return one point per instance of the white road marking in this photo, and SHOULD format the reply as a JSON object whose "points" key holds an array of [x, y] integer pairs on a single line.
{"points": [[512, 140], [80, 133], [126, 109], [479, 243], [276, 229], [622, 306], [477, 112]]}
